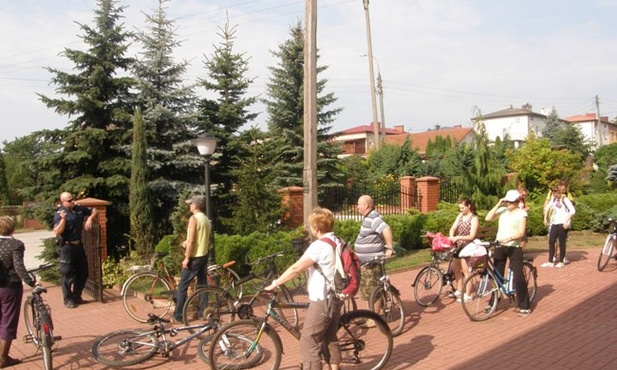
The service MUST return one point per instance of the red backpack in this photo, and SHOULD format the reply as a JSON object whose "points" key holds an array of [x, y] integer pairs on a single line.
{"points": [[347, 272]]}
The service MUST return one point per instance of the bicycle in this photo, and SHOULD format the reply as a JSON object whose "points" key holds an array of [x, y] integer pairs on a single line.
{"points": [[228, 304], [255, 344], [385, 299], [129, 347], [429, 282], [38, 321], [486, 285], [609, 246], [152, 289]]}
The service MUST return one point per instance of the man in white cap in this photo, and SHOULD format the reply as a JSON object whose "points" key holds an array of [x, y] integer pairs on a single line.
{"points": [[196, 245]]}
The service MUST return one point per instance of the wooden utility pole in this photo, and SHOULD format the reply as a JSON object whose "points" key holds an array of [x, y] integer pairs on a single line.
{"points": [[375, 122], [310, 109]]}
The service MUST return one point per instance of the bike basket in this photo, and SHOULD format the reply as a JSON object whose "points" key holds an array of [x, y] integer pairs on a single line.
{"points": [[441, 243], [477, 262]]}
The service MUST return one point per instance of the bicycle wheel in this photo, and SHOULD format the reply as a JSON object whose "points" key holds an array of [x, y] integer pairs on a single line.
{"points": [[606, 253], [203, 349], [530, 277], [484, 295], [146, 293], [47, 338], [241, 345], [365, 341], [30, 320], [428, 285], [225, 278], [125, 347], [388, 304], [47, 358], [208, 303]]}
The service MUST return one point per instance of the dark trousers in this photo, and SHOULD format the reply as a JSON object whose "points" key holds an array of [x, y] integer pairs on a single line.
{"points": [[319, 333], [557, 233], [515, 255], [198, 267], [74, 270], [10, 307]]}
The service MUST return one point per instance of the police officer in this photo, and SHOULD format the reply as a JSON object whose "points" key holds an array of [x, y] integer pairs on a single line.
{"points": [[68, 223]]}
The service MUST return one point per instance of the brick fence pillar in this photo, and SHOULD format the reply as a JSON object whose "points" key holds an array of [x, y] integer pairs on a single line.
{"points": [[292, 199], [408, 192], [101, 206], [428, 193]]}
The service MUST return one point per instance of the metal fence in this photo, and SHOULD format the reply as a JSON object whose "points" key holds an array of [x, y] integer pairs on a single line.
{"points": [[448, 191], [389, 200]]}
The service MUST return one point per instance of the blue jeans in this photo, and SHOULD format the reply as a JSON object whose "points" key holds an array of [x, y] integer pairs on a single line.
{"points": [[198, 266]]}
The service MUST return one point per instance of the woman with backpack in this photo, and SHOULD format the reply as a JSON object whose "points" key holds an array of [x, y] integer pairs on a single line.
{"points": [[322, 315]]}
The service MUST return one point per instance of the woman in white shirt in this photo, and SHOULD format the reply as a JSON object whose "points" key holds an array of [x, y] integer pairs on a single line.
{"points": [[560, 211], [321, 319]]}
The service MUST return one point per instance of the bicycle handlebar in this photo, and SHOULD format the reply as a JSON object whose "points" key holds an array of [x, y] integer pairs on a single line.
{"points": [[268, 257], [45, 266]]}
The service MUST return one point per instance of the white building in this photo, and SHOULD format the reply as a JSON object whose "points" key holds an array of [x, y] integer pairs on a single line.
{"points": [[601, 132]]}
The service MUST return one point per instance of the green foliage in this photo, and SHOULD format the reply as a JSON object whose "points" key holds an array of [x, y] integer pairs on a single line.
{"points": [[538, 165], [395, 161], [50, 255], [87, 158], [285, 108], [139, 203], [169, 120], [258, 205], [553, 125], [114, 274], [171, 247], [574, 140], [347, 230], [4, 185]]}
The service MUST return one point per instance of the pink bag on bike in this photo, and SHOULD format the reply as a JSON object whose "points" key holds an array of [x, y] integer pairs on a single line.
{"points": [[441, 243]]}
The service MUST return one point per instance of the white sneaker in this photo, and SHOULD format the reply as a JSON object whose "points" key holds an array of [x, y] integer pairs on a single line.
{"points": [[566, 260], [547, 264], [457, 294], [559, 265], [467, 298]]}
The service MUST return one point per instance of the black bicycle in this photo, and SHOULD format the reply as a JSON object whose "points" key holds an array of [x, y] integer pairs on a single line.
{"points": [[365, 341], [486, 285], [385, 299], [37, 318], [609, 246]]}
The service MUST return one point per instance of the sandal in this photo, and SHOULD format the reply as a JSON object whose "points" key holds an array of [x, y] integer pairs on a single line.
{"points": [[9, 361]]}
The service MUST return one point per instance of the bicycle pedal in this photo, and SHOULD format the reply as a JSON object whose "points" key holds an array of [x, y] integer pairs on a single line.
{"points": [[28, 338], [57, 337]]}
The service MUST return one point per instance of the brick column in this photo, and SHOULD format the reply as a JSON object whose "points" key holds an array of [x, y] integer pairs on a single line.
{"points": [[101, 206], [428, 193], [408, 192], [292, 199]]}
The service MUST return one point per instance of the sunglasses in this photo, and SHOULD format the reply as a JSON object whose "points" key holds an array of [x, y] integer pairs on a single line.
{"points": [[70, 200]]}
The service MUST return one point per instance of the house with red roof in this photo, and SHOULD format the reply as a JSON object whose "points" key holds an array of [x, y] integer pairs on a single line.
{"points": [[599, 131], [359, 140]]}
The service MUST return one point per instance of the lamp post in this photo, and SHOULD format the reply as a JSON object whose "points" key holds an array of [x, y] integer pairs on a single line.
{"points": [[379, 91], [205, 145], [376, 130]]}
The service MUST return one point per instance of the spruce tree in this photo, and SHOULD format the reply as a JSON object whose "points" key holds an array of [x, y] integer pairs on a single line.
{"points": [[89, 161], [139, 202], [169, 122], [224, 116], [553, 125], [285, 107]]}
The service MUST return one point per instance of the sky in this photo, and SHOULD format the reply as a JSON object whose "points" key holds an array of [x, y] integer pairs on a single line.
{"points": [[441, 61]]}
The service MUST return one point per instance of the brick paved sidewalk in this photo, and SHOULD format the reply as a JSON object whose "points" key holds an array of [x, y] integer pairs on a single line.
{"points": [[573, 326]]}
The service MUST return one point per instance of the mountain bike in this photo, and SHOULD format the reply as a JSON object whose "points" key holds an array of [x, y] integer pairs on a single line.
{"points": [[429, 282], [385, 299], [129, 347], [486, 285], [152, 289], [609, 246], [255, 344], [38, 322], [228, 304]]}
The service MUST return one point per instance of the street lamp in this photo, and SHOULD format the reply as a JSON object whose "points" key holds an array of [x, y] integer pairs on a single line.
{"points": [[379, 91], [205, 145]]}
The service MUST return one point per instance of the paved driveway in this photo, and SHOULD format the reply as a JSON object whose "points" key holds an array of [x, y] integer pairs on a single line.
{"points": [[573, 326]]}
